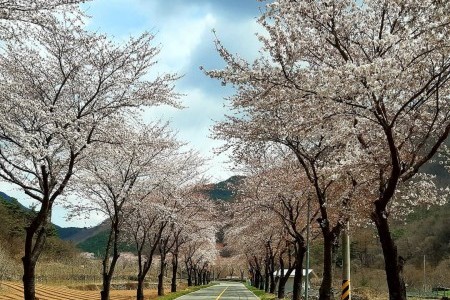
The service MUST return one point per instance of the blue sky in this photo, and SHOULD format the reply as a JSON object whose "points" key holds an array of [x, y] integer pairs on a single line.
{"points": [[183, 30]]}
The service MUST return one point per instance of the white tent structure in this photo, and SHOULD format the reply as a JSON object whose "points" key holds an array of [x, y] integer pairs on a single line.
{"points": [[289, 287]]}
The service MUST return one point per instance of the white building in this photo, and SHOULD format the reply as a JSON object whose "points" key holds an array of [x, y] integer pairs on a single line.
{"points": [[289, 287]]}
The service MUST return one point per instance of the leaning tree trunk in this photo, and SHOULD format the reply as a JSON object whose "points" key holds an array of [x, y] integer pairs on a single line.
{"points": [[283, 278], [107, 277], [282, 286], [392, 262]]}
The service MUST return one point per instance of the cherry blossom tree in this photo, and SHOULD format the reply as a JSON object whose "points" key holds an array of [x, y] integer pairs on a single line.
{"points": [[158, 221], [195, 215], [445, 155], [181, 197], [382, 67], [199, 253], [125, 170], [270, 215], [60, 94], [252, 248], [286, 196], [17, 15], [144, 226], [321, 169]]}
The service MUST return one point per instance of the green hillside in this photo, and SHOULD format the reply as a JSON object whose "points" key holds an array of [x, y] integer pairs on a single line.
{"points": [[14, 217]]}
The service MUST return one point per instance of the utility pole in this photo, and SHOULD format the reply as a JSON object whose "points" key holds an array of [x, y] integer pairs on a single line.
{"points": [[307, 248], [346, 295], [424, 275]]}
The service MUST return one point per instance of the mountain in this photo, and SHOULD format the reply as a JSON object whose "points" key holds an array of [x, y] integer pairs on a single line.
{"points": [[78, 235], [225, 190], [8, 199]]}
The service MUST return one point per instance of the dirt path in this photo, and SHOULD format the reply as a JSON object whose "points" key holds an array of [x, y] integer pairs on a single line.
{"points": [[14, 291]]}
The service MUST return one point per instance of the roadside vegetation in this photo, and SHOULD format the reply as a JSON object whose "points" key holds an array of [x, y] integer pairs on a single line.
{"points": [[260, 293]]}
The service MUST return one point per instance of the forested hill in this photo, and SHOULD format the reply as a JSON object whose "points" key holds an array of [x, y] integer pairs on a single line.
{"points": [[14, 217], [224, 190]]}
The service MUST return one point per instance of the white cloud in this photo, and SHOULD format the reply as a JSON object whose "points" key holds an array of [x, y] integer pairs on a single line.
{"points": [[179, 39]]}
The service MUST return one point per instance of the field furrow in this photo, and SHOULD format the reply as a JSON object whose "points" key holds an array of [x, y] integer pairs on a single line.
{"points": [[14, 291]]}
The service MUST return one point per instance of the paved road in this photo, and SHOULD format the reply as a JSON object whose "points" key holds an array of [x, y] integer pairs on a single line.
{"points": [[222, 291]]}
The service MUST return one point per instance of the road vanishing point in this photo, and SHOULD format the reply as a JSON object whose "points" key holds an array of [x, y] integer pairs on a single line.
{"points": [[221, 291]]}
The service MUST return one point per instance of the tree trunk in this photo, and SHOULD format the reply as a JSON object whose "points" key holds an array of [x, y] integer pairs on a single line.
{"points": [[140, 288], [282, 278], [204, 278], [392, 262], [34, 244], [296, 293], [327, 279], [108, 268], [281, 287], [252, 276], [104, 294], [160, 285], [173, 286], [195, 276], [161, 276], [257, 279], [189, 274], [273, 284], [266, 279], [28, 279], [261, 281]]}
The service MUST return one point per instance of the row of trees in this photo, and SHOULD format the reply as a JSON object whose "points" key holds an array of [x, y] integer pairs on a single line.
{"points": [[347, 101], [70, 105], [150, 189]]}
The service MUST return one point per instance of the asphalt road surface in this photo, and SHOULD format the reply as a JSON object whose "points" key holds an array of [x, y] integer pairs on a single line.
{"points": [[222, 291]]}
